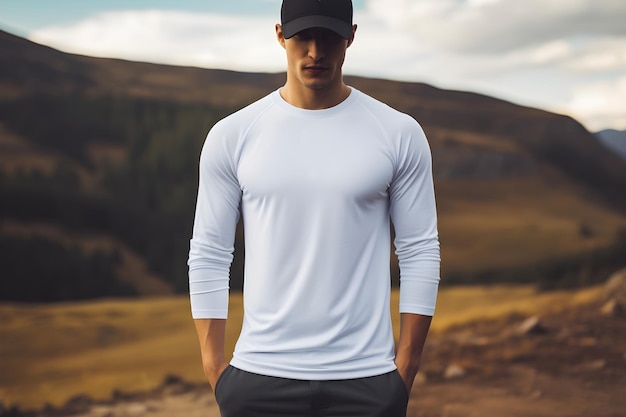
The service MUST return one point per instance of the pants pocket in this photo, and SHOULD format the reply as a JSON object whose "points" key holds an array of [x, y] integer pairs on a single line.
{"points": [[221, 381], [401, 387]]}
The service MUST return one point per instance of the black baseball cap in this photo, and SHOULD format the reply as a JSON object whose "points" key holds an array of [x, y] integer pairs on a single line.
{"points": [[298, 15]]}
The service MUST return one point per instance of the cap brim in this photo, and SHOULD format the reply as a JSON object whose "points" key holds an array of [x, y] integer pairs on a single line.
{"points": [[342, 28]]}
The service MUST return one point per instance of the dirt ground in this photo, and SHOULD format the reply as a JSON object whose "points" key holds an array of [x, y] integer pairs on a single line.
{"points": [[570, 363]]}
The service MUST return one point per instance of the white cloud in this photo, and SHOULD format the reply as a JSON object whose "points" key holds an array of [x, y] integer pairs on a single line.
{"points": [[207, 40], [495, 26], [600, 55], [550, 52], [601, 104], [562, 55]]}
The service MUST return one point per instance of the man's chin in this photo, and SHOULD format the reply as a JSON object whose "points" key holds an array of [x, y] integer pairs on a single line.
{"points": [[317, 84]]}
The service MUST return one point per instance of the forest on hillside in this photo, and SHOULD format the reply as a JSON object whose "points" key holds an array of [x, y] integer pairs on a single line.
{"points": [[146, 200]]}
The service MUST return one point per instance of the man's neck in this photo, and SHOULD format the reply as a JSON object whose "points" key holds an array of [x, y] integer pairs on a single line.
{"points": [[311, 99]]}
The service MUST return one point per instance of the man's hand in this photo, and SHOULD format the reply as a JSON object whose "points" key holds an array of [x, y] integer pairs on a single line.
{"points": [[408, 370], [213, 373]]}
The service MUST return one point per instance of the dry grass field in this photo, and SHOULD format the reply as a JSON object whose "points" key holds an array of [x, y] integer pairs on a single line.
{"points": [[497, 225], [52, 352]]}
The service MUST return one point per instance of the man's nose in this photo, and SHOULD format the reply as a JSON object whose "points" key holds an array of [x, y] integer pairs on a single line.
{"points": [[317, 49]]}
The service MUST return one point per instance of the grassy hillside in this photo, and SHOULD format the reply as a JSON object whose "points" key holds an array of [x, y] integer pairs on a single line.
{"points": [[52, 352], [124, 168], [104, 154], [517, 223]]}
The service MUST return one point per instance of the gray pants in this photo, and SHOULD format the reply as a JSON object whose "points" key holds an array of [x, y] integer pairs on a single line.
{"points": [[244, 394]]}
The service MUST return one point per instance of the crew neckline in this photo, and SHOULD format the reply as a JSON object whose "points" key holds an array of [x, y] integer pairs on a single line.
{"points": [[281, 102]]}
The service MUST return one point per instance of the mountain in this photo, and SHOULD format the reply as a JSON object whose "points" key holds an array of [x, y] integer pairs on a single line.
{"points": [[98, 177], [613, 139]]}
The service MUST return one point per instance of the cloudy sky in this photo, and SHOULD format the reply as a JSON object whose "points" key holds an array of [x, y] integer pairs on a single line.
{"points": [[567, 56]]}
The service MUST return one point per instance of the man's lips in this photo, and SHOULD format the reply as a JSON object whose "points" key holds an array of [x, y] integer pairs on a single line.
{"points": [[315, 68]]}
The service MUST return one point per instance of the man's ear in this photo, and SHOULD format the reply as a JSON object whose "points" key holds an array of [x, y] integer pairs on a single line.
{"points": [[352, 37], [279, 35]]}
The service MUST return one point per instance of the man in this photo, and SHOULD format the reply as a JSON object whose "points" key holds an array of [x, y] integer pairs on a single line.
{"points": [[316, 169]]}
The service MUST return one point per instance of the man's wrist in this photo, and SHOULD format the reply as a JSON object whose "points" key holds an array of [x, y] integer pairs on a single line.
{"points": [[213, 371], [408, 362]]}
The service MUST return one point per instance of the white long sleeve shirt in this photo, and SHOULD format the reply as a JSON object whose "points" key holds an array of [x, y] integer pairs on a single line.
{"points": [[316, 189]]}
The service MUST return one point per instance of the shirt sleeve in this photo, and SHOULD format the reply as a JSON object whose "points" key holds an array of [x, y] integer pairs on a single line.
{"points": [[217, 212], [414, 217]]}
